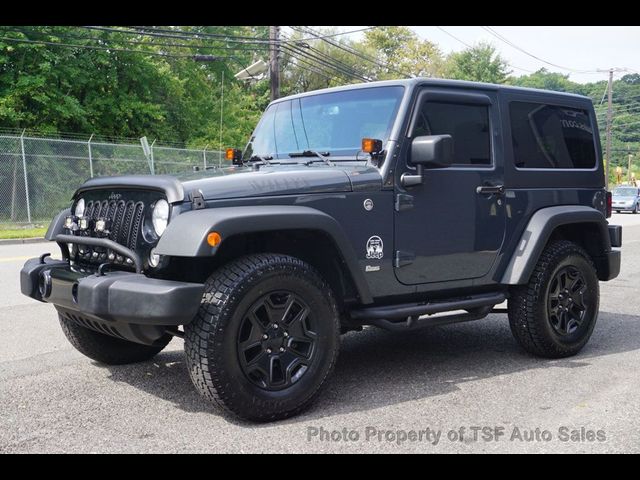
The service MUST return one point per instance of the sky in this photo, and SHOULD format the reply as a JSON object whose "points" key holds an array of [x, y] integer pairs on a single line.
{"points": [[578, 49]]}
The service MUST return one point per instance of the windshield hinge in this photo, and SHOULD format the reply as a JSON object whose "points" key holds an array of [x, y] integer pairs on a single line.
{"points": [[402, 259], [197, 200], [403, 202]]}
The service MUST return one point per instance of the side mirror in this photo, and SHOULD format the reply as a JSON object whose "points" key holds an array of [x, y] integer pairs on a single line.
{"points": [[432, 151]]}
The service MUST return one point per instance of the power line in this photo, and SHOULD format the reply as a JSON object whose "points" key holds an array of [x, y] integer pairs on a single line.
{"points": [[106, 49], [339, 34], [510, 43], [238, 37], [334, 60], [66, 36], [470, 46], [297, 51], [626, 124], [186, 36], [347, 49], [327, 60], [312, 67], [203, 34]]}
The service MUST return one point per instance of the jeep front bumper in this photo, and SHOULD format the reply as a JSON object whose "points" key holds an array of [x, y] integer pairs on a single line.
{"points": [[123, 304]]}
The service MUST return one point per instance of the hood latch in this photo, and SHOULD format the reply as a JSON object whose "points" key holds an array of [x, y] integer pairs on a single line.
{"points": [[197, 200]]}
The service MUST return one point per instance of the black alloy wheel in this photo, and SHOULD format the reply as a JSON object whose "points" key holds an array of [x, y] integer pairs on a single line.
{"points": [[277, 340], [566, 306]]}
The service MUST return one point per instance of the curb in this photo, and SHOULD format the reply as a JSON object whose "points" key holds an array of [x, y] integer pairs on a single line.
{"points": [[20, 241]]}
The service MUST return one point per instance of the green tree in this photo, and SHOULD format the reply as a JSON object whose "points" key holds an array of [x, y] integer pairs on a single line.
{"points": [[547, 80], [480, 63], [403, 52]]}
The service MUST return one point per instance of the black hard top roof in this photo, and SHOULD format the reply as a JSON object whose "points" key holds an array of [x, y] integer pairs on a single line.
{"points": [[413, 82]]}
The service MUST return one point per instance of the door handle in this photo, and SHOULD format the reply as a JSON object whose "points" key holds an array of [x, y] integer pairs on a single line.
{"points": [[490, 190]]}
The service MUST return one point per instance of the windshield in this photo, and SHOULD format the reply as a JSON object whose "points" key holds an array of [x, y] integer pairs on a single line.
{"points": [[625, 192], [333, 123]]}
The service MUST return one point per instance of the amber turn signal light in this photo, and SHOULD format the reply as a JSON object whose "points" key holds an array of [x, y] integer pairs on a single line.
{"points": [[214, 239], [371, 145], [234, 155]]}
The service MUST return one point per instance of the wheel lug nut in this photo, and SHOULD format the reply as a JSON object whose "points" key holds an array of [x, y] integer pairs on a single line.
{"points": [[281, 349], [265, 336], [275, 326], [286, 335], [269, 351]]}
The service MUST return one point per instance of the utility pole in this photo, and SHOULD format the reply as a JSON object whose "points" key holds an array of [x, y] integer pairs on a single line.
{"points": [[609, 118], [629, 169], [274, 61], [609, 122]]}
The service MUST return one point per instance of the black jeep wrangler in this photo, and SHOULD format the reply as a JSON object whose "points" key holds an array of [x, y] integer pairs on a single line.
{"points": [[399, 204]]}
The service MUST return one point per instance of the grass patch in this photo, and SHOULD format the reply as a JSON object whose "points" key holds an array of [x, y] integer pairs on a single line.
{"points": [[12, 233]]}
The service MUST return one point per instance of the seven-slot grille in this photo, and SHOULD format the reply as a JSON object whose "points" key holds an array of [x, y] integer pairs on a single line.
{"points": [[124, 219]]}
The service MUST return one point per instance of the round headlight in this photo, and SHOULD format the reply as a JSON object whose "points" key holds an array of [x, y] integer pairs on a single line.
{"points": [[79, 211], [160, 216]]}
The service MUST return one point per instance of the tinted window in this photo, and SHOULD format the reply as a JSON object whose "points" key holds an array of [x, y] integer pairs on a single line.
{"points": [[334, 122], [549, 136], [468, 125]]}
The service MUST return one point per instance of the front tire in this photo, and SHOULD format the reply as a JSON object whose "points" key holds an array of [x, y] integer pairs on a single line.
{"points": [[266, 337], [107, 349], [554, 315]]}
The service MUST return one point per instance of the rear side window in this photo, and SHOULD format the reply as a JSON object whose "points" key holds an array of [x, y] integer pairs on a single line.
{"points": [[551, 136]]}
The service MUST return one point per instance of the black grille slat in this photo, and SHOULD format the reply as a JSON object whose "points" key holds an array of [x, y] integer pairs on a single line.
{"points": [[137, 221], [117, 222], [125, 235], [125, 219]]}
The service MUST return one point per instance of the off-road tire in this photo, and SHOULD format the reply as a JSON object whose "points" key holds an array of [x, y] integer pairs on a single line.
{"points": [[529, 316], [211, 347], [107, 349]]}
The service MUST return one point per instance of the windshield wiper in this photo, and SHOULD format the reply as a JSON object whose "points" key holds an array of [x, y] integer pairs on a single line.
{"points": [[259, 158], [312, 153]]}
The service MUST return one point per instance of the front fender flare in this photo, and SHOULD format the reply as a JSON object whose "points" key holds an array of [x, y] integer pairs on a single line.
{"points": [[186, 235], [537, 234]]}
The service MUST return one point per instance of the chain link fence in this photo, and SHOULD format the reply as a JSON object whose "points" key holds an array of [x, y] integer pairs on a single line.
{"points": [[38, 175]]}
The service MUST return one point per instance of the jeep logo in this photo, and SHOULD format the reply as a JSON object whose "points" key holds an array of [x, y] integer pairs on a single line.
{"points": [[115, 196]]}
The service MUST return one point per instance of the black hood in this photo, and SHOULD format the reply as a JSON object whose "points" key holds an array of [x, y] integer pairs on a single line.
{"points": [[245, 182]]}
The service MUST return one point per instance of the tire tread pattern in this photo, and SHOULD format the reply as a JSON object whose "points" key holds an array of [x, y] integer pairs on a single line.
{"points": [[526, 304], [203, 336]]}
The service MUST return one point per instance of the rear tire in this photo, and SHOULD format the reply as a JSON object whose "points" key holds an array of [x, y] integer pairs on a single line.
{"points": [[106, 349], [554, 315], [266, 337]]}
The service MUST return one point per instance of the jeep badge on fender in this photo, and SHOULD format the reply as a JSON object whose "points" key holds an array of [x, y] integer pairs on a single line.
{"points": [[415, 203]]}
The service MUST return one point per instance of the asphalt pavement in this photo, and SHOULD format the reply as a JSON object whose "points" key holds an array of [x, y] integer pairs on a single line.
{"points": [[457, 388]]}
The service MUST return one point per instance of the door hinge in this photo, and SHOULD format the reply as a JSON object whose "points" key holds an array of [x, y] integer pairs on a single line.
{"points": [[197, 200], [403, 202], [403, 259]]}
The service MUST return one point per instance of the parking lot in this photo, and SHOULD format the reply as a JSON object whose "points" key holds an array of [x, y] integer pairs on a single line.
{"points": [[426, 391]]}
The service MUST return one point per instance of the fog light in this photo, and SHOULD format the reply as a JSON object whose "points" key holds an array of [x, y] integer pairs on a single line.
{"points": [[154, 258], [83, 223], [101, 225], [69, 222]]}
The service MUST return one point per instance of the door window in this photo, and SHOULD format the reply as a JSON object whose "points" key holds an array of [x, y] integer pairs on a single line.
{"points": [[468, 126]]}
